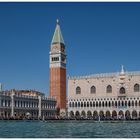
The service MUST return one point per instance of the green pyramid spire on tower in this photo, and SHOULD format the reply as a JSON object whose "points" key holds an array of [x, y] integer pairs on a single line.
{"points": [[57, 37]]}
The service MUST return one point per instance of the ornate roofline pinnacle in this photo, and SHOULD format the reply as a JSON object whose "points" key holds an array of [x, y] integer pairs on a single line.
{"points": [[57, 21], [122, 70]]}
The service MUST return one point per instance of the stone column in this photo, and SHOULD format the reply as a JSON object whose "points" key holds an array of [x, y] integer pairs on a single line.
{"points": [[39, 106], [137, 114], [4, 103], [134, 105], [111, 114], [131, 115], [12, 104]]}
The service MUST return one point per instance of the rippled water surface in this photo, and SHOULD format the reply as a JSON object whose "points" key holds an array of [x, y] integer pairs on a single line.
{"points": [[71, 129]]}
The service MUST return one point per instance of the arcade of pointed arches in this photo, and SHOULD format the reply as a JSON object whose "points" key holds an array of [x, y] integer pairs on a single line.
{"points": [[114, 107], [105, 102], [105, 114]]}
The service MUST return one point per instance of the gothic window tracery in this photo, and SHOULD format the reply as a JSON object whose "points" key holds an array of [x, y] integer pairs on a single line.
{"points": [[109, 89], [78, 90], [122, 90], [93, 89], [136, 88]]}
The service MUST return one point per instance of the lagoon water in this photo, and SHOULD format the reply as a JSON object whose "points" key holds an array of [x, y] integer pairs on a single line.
{"points": [[69, 129]]}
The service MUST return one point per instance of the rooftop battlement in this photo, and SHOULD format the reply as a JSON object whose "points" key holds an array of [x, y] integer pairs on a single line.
{"points": [[102, 75]]}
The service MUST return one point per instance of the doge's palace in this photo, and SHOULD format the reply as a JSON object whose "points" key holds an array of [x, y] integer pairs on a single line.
{"points": [[105, 96]]}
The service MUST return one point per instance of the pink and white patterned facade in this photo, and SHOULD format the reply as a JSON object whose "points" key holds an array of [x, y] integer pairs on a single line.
{"points": [[108, 95]]}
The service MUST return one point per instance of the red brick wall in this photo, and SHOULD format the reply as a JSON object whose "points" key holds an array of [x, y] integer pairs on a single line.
{"points": [[58, 86]]}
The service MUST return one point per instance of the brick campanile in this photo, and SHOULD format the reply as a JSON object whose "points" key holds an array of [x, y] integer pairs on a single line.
{"points": [[58, 69]]}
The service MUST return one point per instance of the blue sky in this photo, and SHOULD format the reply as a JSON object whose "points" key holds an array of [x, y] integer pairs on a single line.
{"points": [[99, 38]]}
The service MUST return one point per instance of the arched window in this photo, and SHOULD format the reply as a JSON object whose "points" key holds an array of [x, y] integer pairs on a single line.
{"points": [[78, 90], [81, 104], [135, 103], [70, 104], [112, 103], [103, 104], [119, 103], [83, 114], [89, 114], [78, 104], [122, 103], [136, 88], [77, 114], [99, 104], [129, 104], [75, 104], [87, 104], [93, 89], [109, 89], [126, 103], [90, 104], [122, 90], [71, 114], [132, 103], [84, 104], [109, 104], [96, 104], [93, 104], [106, 104], [116, 104]]}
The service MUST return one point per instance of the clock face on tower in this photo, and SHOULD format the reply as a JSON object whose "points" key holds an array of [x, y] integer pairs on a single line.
{"points": [[55, 48]]}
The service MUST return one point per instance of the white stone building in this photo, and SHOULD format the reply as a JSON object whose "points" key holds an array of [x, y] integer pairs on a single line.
{"points": [[105, 96]]}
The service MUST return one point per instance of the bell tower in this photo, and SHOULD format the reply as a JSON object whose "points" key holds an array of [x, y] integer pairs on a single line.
{"points": [[58, 69]]}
